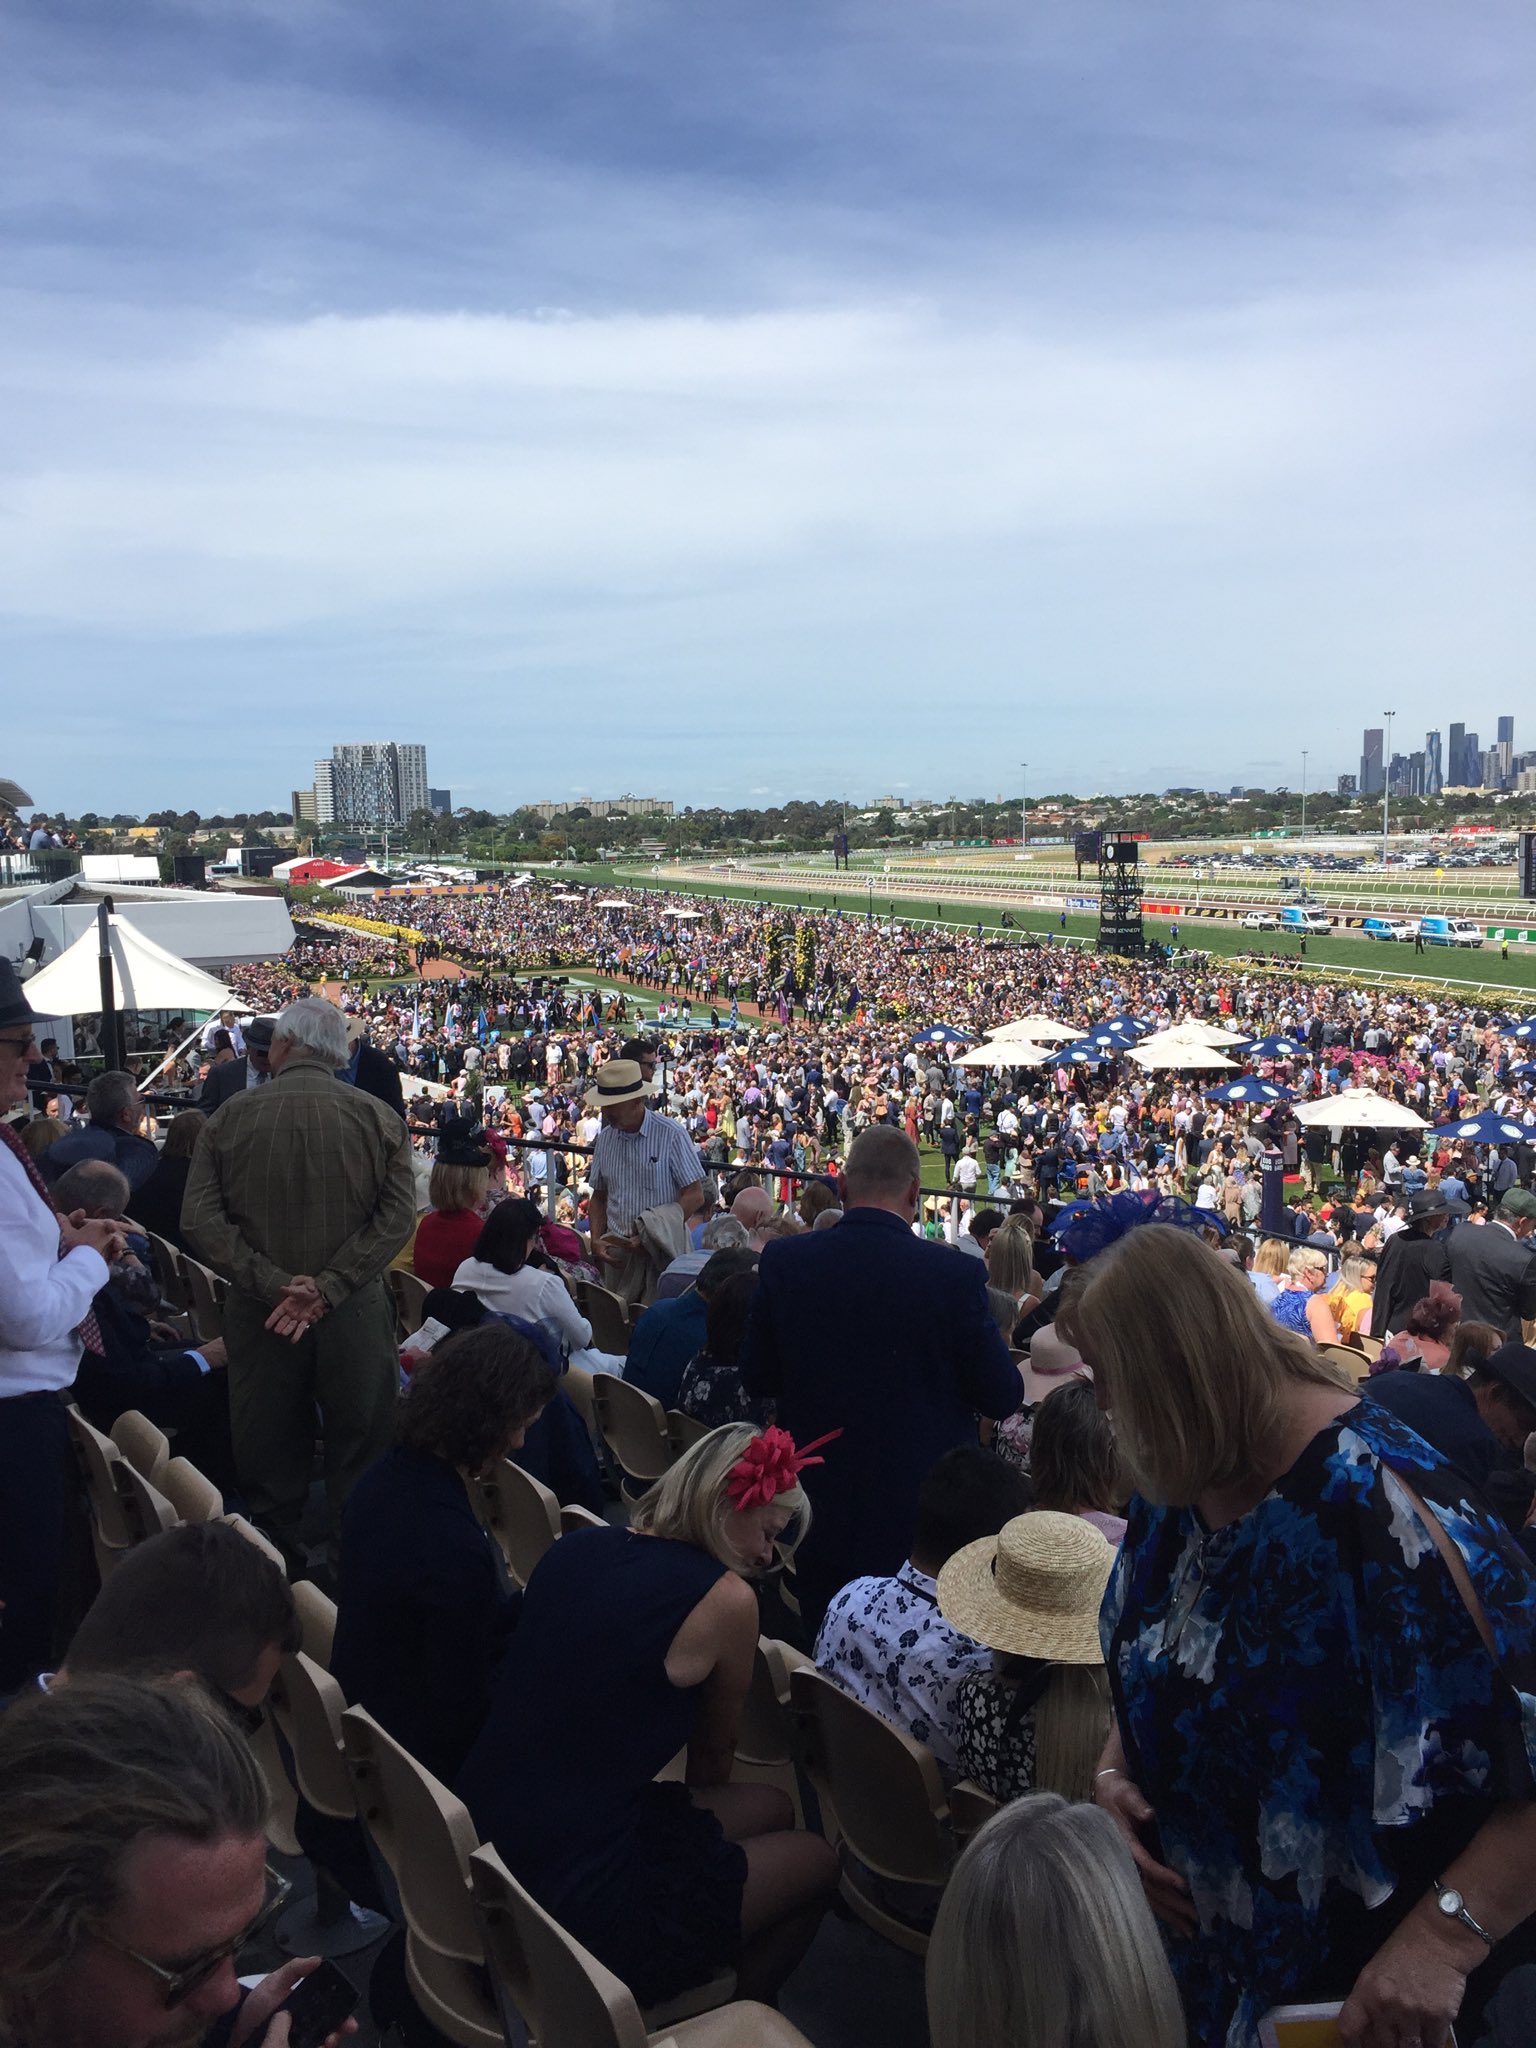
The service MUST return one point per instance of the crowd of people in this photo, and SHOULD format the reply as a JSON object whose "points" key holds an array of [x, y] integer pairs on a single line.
{"points": [[1199, 1540]]}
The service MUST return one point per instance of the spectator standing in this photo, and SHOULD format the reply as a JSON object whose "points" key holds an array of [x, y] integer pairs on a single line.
{"points": [[1412, 1260], [51, 1268], [300, 1194], [155, 1206], [873, 1331], [642, 1161], [250, 1069], [1493, 1269]]}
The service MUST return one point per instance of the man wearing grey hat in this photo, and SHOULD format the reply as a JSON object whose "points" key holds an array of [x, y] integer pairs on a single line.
{"points": [[252, 1070], [1494, 1269]]}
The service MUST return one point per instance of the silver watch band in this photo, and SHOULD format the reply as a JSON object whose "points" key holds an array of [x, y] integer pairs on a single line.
{"points": [[1444, 1893]]}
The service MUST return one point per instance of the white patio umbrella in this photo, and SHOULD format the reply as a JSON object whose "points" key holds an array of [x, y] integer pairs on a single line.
{"points": [[1209, 1034], [683, 916], [566, 896], [1169, 1053], [611, 903], [1360, 1109], [1010, 1052], [1039, 1030]]}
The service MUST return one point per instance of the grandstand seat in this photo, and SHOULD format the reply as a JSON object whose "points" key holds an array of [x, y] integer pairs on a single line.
{"points": [[307, 1705], [574, 1517], [145, 1508], [884, 1792], [425, 1835], [410, 1299], [1346, 1355], [568, 1999], [146, 1448], [577, 1382], [112, 1532], [169, 1273], [633, 1425], [971, 1806], [317, 1618], [522, 1514], [685, 1431], [208, 1291], [608, 1315], [194, 1497], [252, 1534], [1372, 1347]]}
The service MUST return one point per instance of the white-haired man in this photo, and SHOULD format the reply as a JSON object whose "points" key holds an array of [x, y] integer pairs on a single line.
{"points": [[300, 1194]]}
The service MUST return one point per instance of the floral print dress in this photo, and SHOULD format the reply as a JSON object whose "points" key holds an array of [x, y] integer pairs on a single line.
{"points": [[1309, 1707]]}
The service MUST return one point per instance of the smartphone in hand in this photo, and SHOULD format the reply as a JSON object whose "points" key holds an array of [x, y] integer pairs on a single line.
{"points": [[318, 2005]]}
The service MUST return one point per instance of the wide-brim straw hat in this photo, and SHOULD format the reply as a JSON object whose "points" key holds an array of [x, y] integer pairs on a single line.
{"points": [[1033, 1590], [619, 1081]]}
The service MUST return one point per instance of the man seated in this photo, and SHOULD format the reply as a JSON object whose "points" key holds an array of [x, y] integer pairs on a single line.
{"points": [[199, 1601], [670, 1333], [719, 1234], [143, 1364], [115, 1112], [133, 1871], [884, 1639]]}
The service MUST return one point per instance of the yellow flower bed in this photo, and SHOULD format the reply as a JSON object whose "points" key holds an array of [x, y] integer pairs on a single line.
{"points": [[376, 925]]}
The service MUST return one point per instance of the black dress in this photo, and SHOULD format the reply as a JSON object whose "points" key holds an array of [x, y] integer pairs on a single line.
{"points": [[561, 1779]]}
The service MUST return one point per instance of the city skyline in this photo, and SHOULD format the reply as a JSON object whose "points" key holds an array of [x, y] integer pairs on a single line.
{"points": [[728, 403], [1464, 763]]}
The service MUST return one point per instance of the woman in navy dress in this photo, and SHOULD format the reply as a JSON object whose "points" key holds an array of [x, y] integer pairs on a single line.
{"points": [[634, 1644]]}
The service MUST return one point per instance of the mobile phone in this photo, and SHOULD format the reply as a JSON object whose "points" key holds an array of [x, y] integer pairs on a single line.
{"points": [[318, 2004]]}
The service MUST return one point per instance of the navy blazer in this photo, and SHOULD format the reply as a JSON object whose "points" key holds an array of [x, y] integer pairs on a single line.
{"points": [[1494, 1272], [423, 1612], [868, 1329]]}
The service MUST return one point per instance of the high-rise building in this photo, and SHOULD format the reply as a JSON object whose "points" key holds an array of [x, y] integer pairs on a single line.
{"points": [[1398, 775], [303, 807], [1472, 762], [1434, 766], [1504, 745], [440, 802], [377, 782], [1455, 757], [325, 793], [1416, 773], [1372, 777]]}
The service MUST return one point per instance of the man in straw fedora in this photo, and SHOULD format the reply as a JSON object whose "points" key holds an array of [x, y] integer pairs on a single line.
{"points": [[646, 1182]]}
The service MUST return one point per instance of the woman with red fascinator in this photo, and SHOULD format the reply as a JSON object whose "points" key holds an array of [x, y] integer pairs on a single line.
{"points": [[634, 1644]]}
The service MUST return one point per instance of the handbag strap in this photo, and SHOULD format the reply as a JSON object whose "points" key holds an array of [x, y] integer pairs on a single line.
{"points": [[1455, 1563]]}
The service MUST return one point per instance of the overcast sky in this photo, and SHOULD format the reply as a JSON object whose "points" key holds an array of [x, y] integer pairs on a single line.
{"points": [[793, 397]]}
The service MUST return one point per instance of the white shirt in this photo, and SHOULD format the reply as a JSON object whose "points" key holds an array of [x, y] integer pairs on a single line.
{"points": [[533, 1293], [43, 1298]]}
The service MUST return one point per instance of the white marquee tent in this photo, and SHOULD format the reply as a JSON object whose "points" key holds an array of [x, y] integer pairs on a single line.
{"points": [[144, 977]]}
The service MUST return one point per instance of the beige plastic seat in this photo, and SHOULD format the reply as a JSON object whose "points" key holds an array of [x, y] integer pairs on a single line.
{"points": [[633, 1425], [307, 1704], [685, 1431], [425, 1835], [1372, 1347], [112, 1532], [410, 1299], [607, 1314], [574, 1517], [169, 1274], [146, 1447], [1353, 1361], [522, 1514], [577, 1382], [317, 1618], [208, 1291], [765, 1741], [252, 1534], [886, 1796], [971, 1806], [569, 1999], [145, 1508], [190, 1492]]}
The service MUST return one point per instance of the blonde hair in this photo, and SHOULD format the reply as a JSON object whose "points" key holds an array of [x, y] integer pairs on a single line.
{"points": [[690, 1504], [1011, 1257], [1071, 1728], [1044, 1939], [1272, 1257], [1306, 1259], [1193, 1367], [454, 1189]]}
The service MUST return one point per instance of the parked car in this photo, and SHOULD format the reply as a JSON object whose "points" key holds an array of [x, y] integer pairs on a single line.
{"points": [[1391, 928], [1261, 921]]}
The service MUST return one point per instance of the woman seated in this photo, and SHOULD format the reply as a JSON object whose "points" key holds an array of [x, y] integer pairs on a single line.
{"points": [[633, 1644], [1044, 1937], [711, 1390], [1037, 1720], [1011, 1266], [461, 1178], [1424, 1342], [514, 1276], [1073, 1460], [1271, 1263], [1300, 1306], [1350, 1297], [424, 1610]]}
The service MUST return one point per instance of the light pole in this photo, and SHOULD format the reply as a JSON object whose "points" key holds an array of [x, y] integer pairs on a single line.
{"points": [[1386, 785], [1304, 792], [1024, 805]]}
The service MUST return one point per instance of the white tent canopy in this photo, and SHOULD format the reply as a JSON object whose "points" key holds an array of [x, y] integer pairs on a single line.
{"points": [[144, 977], [1039, 1030], [1208, 1034], [1176, 1052], [1359, 1109], [1006, 1052]]}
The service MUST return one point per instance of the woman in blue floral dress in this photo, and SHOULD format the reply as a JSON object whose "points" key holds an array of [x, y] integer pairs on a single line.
{"points": [[1320, 1651]]}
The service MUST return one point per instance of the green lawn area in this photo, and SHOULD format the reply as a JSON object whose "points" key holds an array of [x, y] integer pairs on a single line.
{"points": [[1440, 967]]}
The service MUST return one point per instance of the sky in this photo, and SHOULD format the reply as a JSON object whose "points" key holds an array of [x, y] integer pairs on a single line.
{"points": [[783, 398]]}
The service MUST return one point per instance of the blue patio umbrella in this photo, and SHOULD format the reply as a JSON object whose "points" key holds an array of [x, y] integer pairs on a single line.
{"points": [[1524, 1070], [1248, 1090], [1077, 1054], [1524, 1029], [1112, 1037], [1487, 1129], [1276, 1047], [942, 1034]]}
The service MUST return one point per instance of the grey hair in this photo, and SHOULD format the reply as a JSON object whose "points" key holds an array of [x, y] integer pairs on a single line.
{"points": [[92, 1184], [1307, 1259], [109, 1095], [1044, 1939], [316, 1025], [720, 1232]]}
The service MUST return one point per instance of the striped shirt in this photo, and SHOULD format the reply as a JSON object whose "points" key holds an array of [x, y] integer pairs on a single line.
{"points": [[640, 1170]]}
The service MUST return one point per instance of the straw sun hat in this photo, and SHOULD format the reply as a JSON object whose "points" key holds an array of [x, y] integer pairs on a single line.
{"points": [[1033, 1590]]}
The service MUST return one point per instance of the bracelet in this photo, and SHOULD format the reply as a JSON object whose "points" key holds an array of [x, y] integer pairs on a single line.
{"points": [[1112, 1772]]}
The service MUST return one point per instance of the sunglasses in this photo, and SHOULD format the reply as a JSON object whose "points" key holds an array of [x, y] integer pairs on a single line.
{"points": [[178, 1985], [20, 1044]]}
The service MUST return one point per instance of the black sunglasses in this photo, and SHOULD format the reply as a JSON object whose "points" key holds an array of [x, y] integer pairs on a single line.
{"points": [[178, 1985]]}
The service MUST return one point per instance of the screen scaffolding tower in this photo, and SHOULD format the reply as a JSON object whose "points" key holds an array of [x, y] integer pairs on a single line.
{"points": [[1120, 896]]}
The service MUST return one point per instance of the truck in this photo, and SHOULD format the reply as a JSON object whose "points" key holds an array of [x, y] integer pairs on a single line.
{"points": [[1390, 928], [1450, 931], [1307, 918]]}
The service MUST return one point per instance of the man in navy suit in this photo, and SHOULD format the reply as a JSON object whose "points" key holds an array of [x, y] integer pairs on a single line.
{"points": [[870, 1330]]}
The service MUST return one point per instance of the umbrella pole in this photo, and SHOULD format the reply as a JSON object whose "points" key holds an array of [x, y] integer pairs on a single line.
{"points": [[111, 1017]]}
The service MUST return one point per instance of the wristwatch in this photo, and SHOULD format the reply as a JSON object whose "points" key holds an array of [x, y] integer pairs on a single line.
{"points": [[1454, 1907]]}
